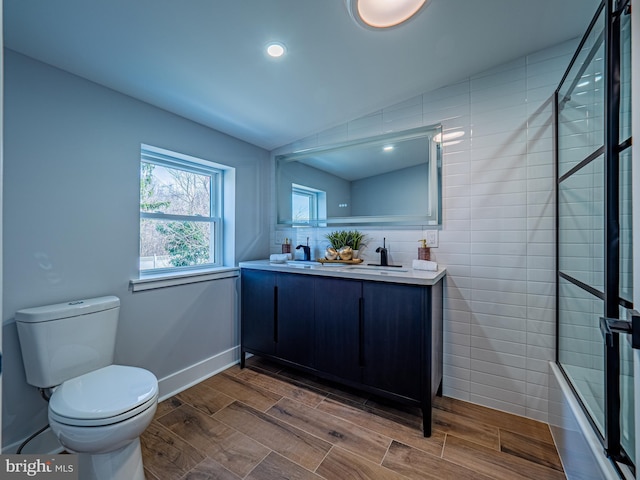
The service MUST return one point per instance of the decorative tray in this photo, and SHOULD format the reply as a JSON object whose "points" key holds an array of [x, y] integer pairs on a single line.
{"points": [[346, 262]]}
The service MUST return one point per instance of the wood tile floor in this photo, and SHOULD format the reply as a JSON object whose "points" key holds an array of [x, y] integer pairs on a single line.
{"points": [[266, 422]]}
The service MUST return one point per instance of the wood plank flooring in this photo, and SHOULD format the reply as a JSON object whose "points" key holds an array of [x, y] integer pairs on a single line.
{"points": [[267, 422]]}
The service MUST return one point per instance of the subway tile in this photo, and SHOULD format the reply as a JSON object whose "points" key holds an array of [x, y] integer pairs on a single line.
{"points": [[538, 365], [564, 50], [497, 358], [461, 351], [508, 400], [536, 391], [514, 116], [506, 347], [540, 415], [456, 372], [456, 388], [541, 352], [506, 298], [458, 361], [484, 334], [398, 123], [458, 339], [496, 284], [457, 327], [337, 134], [542, 315], [501, 379], [366, 126], [538, 378], [500, 69], [502, 273], [509, 80], [500, 321], [456, 94], [539, 339]]}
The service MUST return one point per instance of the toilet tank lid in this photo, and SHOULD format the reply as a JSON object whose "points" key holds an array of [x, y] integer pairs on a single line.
{"points": [[69, 309]]}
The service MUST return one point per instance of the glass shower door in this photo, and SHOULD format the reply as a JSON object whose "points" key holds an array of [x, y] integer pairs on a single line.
{"points": [[594, 234], [580, 164]]}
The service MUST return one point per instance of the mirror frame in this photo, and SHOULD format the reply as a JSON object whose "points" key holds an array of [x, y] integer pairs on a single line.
{"points": [[433, 214]]}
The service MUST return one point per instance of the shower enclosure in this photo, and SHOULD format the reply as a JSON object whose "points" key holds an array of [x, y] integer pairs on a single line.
{"points": [[594, 235]]}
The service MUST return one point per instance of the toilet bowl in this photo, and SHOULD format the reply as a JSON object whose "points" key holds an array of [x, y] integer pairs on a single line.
{"points": [[97, 410], [102, 413]]}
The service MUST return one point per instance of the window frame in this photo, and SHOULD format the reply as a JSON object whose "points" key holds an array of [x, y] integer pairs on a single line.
{"points": [[187, 163], [317, 203]]}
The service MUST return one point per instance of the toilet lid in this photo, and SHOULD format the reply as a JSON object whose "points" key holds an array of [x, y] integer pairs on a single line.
{"points": [[113, 392]]}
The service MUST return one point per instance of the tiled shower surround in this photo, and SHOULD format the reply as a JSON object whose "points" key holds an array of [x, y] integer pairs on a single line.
{"points": [[498, 231]]}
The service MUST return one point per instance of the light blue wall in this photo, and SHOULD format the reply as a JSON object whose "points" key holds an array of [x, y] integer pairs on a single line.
{"points": [[400, 191], [71, 196], [338, 190]]}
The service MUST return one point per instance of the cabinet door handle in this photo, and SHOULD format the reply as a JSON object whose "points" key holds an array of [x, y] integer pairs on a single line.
{"points": [[361, 332], [275, 314]]}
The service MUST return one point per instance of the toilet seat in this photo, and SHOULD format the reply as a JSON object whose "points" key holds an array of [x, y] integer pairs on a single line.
{"points": [[105, 396]]}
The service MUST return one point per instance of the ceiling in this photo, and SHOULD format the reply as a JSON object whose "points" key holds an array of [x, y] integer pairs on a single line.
{"points": [[204, 59]]}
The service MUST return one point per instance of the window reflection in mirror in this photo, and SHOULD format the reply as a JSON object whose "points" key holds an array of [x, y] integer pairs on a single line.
{"points": [[392, 179]]}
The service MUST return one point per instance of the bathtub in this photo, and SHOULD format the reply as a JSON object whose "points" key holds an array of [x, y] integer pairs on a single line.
{"points": [[580, 450]]}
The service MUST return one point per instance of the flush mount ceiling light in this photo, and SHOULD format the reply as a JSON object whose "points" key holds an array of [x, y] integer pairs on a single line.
{"points": [[383, 13], [275, 49]]}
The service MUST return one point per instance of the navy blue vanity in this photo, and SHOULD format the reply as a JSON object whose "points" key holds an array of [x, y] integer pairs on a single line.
{"points": [[375, 329]]}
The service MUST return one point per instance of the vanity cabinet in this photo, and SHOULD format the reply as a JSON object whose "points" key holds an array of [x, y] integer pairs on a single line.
{"points": [[338, 318], [277, 315], [394, 317], [381, 337]]}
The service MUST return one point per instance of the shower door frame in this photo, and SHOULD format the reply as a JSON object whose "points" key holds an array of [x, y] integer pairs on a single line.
{"points": [[611, 440]]}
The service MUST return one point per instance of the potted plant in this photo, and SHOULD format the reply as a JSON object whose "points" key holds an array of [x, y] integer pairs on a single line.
{"points": [[339, 245], [341, 239], [338, 239], [356, 239]]}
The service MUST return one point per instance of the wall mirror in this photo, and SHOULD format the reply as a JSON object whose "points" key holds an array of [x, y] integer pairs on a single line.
{"points": [[391, 179]]}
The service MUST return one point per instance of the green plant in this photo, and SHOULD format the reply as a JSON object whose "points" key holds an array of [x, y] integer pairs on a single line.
{"points": [[186, 243], [356, 239], [344, 238], [338, 239]]}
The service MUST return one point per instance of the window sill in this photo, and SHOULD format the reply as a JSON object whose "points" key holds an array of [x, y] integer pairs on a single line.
{"points": [[151, 282]]}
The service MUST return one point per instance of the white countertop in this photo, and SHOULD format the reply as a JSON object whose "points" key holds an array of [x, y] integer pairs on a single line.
{"points": [[362, 271]]}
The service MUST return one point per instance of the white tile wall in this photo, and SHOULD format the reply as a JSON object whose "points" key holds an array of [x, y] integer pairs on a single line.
{"points": [[498, 232]]}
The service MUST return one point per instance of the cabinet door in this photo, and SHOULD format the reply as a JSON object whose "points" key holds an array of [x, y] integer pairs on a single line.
{"points": [[258, 311], [337, 329], [295, 318], [393, 333]]}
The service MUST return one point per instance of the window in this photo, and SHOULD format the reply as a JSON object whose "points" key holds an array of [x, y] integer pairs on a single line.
{"points": [[180, 212], [307, 204]]}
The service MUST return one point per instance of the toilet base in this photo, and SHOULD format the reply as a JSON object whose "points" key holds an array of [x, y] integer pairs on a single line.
{"points": [[122, 464]]}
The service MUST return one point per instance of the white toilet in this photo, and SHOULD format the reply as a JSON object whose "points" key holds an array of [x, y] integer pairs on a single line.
{"points": [[97, 410]]}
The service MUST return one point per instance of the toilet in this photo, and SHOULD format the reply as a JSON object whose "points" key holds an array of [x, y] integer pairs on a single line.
{"points": [[97, 410]]}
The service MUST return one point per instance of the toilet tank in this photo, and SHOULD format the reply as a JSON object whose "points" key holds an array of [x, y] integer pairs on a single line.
{"points": [[66, 340]]}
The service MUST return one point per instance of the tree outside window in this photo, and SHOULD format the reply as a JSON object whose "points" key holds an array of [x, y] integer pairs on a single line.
{"points": [[178, 201]]}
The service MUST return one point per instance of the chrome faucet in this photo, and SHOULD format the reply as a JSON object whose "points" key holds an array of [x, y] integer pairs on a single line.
{"points": [[383, 253], [307, 251]]}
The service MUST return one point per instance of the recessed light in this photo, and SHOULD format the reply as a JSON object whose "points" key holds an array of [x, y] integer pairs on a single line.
{"points": [[275, 49]]}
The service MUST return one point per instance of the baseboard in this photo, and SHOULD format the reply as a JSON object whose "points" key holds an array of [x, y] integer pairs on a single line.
{"points": [[194, 374]]}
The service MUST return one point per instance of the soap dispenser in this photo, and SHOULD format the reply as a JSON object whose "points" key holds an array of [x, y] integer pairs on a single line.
{"points": [[423, 250], [286, 246]]}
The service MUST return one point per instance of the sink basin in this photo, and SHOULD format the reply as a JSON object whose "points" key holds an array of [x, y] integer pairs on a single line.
{"points": [[303, 264], [376, 268]]}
